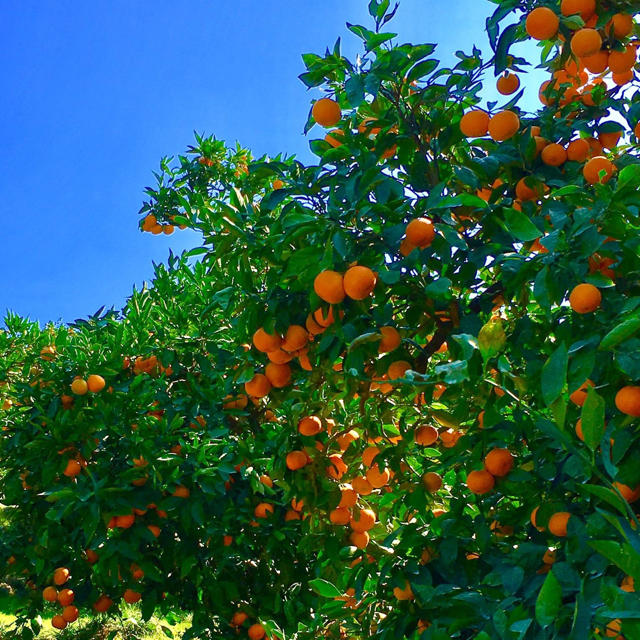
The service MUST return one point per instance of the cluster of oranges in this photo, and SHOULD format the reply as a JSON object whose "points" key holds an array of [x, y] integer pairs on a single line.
{"points": [[64, 598], [151, 224]]}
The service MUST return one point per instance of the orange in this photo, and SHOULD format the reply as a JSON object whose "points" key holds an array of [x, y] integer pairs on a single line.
{"points": [[613, 629], [622, 25], [72, 469], [310, 426], [282, 357], [296, 460], [340, 516], [368, 455], [525, 193], [365, 521], [480, 482], [620, 79], [256, 631], [311, 326], [628, 400], [279, 375], [450, 438], [425, 435], [378, 479], [79, 387], [130, 596], [65, 597], [628, 584], [338, 466], [622, 61], [508, 83], [597, 62], [263, 510], [335, 137], [155, 529], [403, 593], [50, 594], [580, 394], [586, 8], [348, 499], [629, 494], [95, 383], [102, 604], [636, 131], [585, 298], [181, 492], [504, 125], [70, 613], [329, 286], [60, 576], [277, 184], [498, 462], [554, 155], [58, 622], [579, 431], [359, 282], [578, 150], [397, 369], [610, 140], [295, 338], [326, 112], [258, 387], [346, 439], [266, 342], [390, 340], [432, 481], [325, 321], [238, 618], [475, 124], [361, 486], [125, 522], [542, 23], [585, 42], [359, 539], [91, 556], [598, 170], [420, 232], [558, 523], [534, 513]]}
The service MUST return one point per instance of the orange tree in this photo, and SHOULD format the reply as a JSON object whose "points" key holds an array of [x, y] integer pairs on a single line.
{"points": [[393, 393]]}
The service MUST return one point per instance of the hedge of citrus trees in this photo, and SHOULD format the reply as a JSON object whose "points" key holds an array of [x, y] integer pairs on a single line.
{"points": [[394, 393]]}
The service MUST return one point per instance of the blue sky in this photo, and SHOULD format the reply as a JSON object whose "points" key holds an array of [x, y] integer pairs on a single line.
{"points": [[93, 94]]}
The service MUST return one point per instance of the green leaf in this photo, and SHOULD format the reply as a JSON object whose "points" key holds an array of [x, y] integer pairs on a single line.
{"points": [[421, 70], [621, 332], [549, 600], [629, 177], [520, 226], [554, 374], [324, 588], [502, 49], [606, 495], [592, 417], [621, 554]]}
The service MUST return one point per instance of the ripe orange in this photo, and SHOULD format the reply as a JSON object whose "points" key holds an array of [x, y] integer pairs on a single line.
{"points": [[498, 462], [359, 282], [337, 467], [256, 631], [102, 604], [238, 618], [508, 83], [609, 140], [598, 170], [311, 326], [586, 42], [58, 622], [72, 469], [65, 597], [340, 516], [586, 8], [348, 498], [628, 400], [404, 593], [558, 523], [282, 357], [296, 460], [578, 150], [585, 298], [359, 539], [629, 494], [279, 375], [335, 137], [326, 112], [79, 387], [310, 426], [50, 594], [390, 340], [554, 155], [95, 383], [295, 338], [91, 556], [60, 576], [125, 521], [361, 486], [155, 529], [432, 481], [266, 342], [480, 482], [181, 492], [397, 369], [70, 613], [597, 62], [504, 125], [258, 387], [620, 79], [580, 394], [368, 455], [622, 61], [263, 510], [130, 596], [420, 232], [425, 435], [525, 193], [364, 521], [329, 286], [475, 124], [378, 479], [542, 23], [622, 25]]}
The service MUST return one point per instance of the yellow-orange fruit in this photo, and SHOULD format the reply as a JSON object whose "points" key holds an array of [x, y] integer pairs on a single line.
{"points": [[597, 62], [130, 596], [578, 150], [622, 25], [475, 123], [622, 61], [296, 460], [335, 138], [368, 455], [498, 462], [586, 42], [398, 369], [256, 631], [586, 8], [348, 498], [579, 396], [326, 112], [361, 486], [66, 597], [554, 155], [420, 232], [295, 338], [258, 387], [377, 478], [340, 516], [525, 193], [508, 83], [598, 170], [390, 340], [542, 23], [263, 510], [363, 521], [425, 435], [79, 387], [72, 469], [50, 594], [504, 125], [70, 613], [279, 375], [359, 539], [266, 342], [102, 604], [58, 622], [432, 481], [585, 298], [628, 400], [329, 286], [95, 383], [480, 482], [558, 523], [310, 425], [359, 282], [60, 576]]}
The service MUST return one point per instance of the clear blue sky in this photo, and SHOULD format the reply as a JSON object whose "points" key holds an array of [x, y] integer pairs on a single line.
{"points": [[93, 94]]}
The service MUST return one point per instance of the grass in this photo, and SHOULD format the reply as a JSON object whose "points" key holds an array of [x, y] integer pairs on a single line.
{"points": [[129, 626]]}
